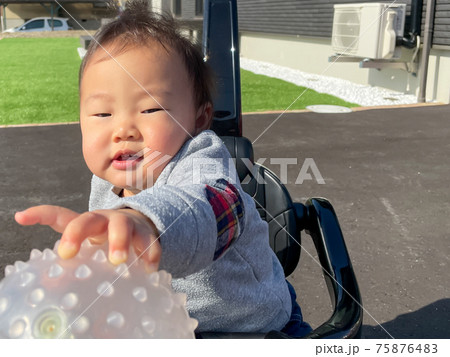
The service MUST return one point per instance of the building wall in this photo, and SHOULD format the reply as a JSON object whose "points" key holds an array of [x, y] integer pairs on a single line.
{"points": [[442, 23], [307, 54], [87, 16], [438, 83], [188, 8], [191, 22], [161, 5], [297, 34], [16, 15], [315, 17]]}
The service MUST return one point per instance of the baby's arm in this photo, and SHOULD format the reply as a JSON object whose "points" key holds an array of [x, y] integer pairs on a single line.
{"points": [[120, 227]]}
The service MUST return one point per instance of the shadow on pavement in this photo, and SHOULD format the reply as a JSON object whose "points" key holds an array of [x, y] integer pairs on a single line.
{"points": [[431, 321]]}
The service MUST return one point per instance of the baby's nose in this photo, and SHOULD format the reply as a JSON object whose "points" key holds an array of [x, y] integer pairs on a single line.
{"points": [[126, 133]]}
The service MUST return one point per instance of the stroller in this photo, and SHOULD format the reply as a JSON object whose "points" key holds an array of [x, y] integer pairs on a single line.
{"points": [[286, 219]]}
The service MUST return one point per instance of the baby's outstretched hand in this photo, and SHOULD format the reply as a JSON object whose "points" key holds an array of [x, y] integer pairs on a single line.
{"points": [[122, 228]]}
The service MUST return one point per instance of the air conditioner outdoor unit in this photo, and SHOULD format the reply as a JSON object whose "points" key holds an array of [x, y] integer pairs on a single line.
{"points": [[368, 30]]}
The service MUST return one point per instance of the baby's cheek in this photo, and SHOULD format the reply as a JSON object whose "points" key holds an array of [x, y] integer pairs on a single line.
{"points": [[174, 138], [92, 152], [87, 149]]}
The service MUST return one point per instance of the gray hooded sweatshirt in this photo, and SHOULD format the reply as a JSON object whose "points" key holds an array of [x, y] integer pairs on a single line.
{"points": [[213, 241]]}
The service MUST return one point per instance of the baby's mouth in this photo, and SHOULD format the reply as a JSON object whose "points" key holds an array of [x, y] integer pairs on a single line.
{"points": [[126, 157], [126, 160]]}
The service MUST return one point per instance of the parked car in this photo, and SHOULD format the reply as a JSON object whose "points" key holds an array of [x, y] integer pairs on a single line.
{"points": [[42, 24]]}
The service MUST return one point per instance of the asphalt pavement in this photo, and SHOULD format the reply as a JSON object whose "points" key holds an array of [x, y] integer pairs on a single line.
{"points": [[384, 170]]}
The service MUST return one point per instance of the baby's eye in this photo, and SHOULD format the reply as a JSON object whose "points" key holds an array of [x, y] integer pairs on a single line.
{"points": [[150, 111], [102, 115]]}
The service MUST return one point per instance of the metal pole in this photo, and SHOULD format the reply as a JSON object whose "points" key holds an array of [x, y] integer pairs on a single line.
{"points": [[51, 12], [4, 16], [428, 32]]}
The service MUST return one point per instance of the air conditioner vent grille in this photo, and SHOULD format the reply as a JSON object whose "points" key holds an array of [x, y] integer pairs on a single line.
{"points": [[346, 31]]}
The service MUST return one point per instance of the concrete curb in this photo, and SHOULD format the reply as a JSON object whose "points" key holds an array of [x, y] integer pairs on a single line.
{"points": [[38, 124]]}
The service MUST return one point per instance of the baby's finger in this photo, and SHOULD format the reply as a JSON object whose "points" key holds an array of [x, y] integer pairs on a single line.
{"points": [[54, 216], [153, 254], [147, 247], [120, 229], [88, 224]]}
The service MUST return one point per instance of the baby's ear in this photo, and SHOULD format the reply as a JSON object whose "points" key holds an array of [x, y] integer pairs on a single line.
{"points": [[203, 118]]}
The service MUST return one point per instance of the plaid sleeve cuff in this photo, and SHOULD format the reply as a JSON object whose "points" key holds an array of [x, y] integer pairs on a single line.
{"points": [[228, 208]]}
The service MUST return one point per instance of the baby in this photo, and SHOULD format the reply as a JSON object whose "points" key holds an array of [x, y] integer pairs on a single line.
{"points": [[145, 110]]}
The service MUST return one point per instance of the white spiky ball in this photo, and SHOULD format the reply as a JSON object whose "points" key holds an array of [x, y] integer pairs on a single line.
{"points": [[88, 297]]}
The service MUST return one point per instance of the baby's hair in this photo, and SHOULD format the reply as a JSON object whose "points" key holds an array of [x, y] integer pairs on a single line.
{"points": [[137, 25]]}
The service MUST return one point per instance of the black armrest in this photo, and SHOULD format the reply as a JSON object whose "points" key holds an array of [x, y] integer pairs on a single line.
{"points": [[319, 220]]}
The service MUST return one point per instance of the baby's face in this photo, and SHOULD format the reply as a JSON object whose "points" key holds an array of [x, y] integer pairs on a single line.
{"points": [[134, 109]]}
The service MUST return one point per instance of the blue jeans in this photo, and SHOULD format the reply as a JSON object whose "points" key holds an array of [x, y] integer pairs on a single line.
{"points": [[296, 327]]}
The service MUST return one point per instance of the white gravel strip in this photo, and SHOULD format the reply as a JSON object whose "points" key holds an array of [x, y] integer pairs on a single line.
{"points": [[363, 95]]}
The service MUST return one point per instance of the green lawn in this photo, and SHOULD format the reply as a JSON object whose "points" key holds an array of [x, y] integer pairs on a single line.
{"points": [[261, 93], [38, 80], [39, 84]]}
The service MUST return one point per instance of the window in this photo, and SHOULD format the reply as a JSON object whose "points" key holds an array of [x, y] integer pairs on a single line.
{"points": [[99, 5], [56, 23], [198, 7], [176, 7], [36, 24]]}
